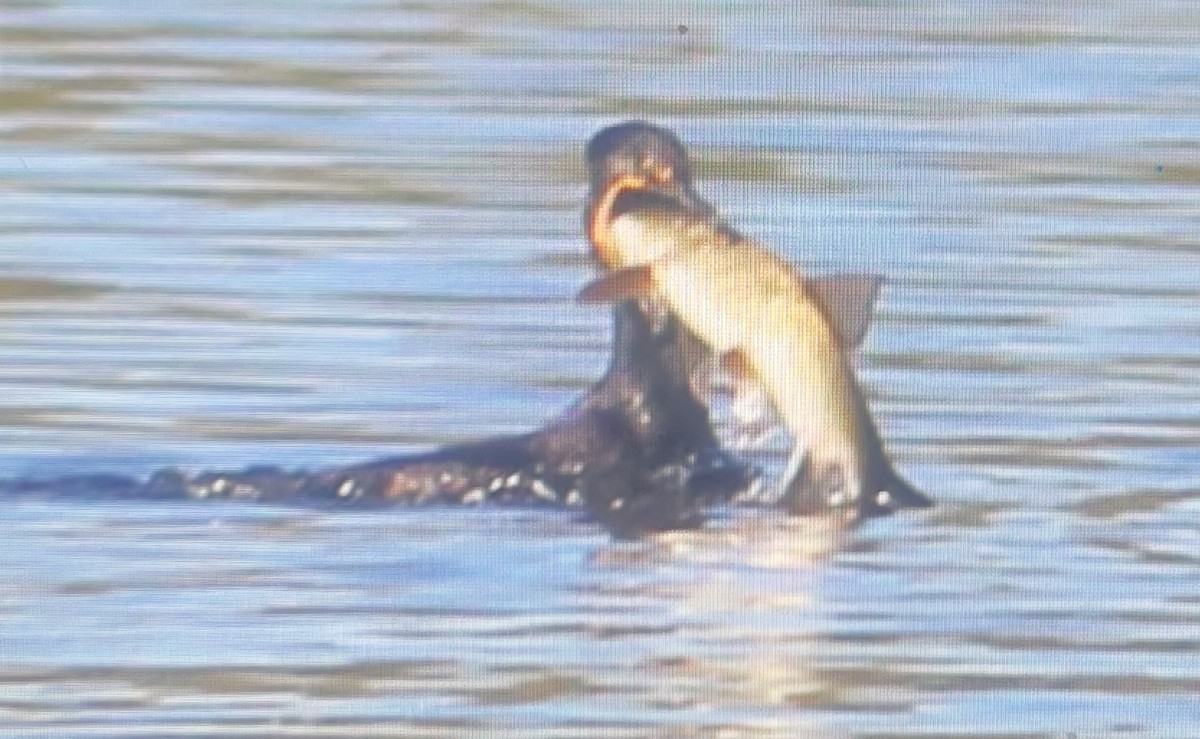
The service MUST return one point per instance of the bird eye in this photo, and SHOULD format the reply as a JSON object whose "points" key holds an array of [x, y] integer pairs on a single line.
{"points": [[664, 174]]}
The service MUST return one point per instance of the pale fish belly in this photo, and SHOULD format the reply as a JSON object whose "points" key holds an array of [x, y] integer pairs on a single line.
{"points": [[807, 392], [801, 367], [640, 240], [714, 308]]}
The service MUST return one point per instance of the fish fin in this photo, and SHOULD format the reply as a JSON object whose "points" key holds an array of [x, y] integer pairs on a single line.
{"points": [[849, 300], [753, 419], [791, 473], [735, 363], [811, 489], [622, 284]]}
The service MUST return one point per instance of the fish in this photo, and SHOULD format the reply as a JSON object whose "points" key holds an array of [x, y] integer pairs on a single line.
{"points": [[628, 226], [768, 324], [642, 148]]}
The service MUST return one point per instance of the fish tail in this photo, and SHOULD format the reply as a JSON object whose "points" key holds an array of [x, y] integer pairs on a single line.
{"points": [[883, 491], [889, 492], [817, 489]]}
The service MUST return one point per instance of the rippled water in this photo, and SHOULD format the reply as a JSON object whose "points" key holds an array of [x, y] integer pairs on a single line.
{"points": [[310, 234]]}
